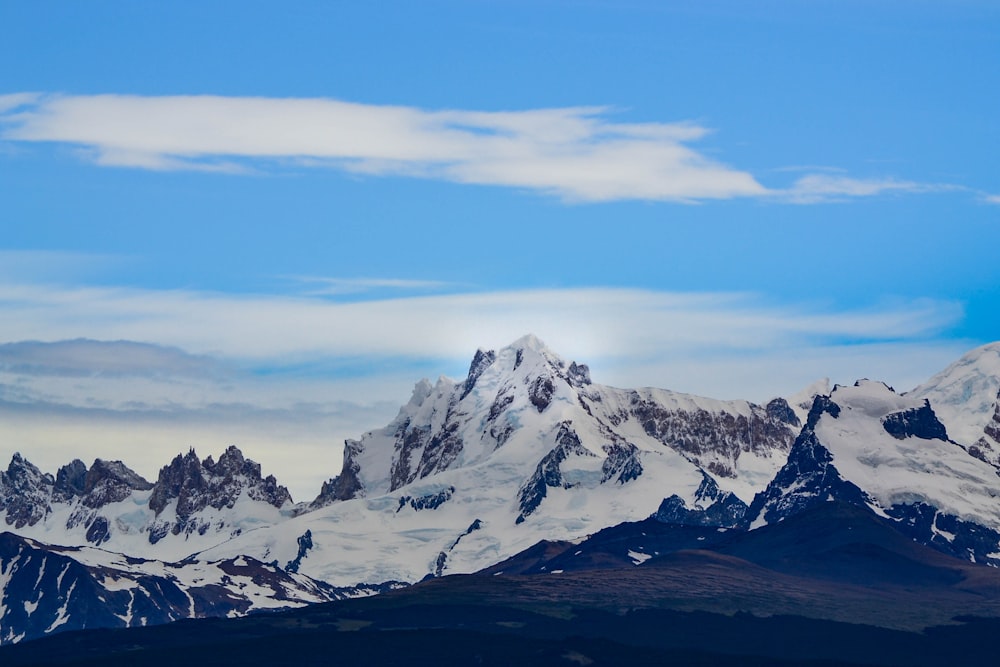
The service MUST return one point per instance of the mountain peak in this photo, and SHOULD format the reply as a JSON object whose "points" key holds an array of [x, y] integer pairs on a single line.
{"points": [[529, 342], [801, 401], [24, 492], [964, 394], [527, 356], [873, 398], [193, 485], [529, 347]]}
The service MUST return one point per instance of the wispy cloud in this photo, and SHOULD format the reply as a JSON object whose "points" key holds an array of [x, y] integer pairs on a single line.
{"points": [[289, 377], [815, 188], [577, 153], [301, 445], [17, 101], [144, 403], [83, 358], [319, 285], [587, 322], [991, 199]]}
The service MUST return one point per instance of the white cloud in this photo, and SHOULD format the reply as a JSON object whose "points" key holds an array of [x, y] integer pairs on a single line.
{"points": [[301, 448], [586, 322], [991, 199], [580, 154], [815, 188], [82, 357], [783, 371], [577, 153], [13, 101], [144, 404], [288, 378]]}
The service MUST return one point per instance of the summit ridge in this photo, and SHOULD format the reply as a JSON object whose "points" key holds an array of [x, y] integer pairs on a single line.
{"points": [[525, 449]]}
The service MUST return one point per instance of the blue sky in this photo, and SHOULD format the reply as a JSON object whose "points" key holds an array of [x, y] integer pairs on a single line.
{"points": [[290, 215]]}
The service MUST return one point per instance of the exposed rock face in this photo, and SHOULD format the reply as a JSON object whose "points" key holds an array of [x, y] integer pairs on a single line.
{"points": [[110, 482], [779, 410], [346, 485], [578, 375], [56, 590], [920, 422], [195, 485], [421, 450], [714, 440], [71, 480], [452, 424], [480, 362], [442, 558], [440, 453], [992, 429], [182, 479], [98, 530], [540, 392], [946, 532], [28, 496], [713, 507], [987, 448], [25, 492], [964, 394], [106, 482], [497, 428], [527, 442], [431, 501], [188, 486], [305, 543], [623, 463], [548, 473], [809, 477], [937, 493]]}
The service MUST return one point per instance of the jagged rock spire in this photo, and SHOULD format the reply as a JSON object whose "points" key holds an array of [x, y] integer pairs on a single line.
{"points": [[25, 492], [196, 484]]}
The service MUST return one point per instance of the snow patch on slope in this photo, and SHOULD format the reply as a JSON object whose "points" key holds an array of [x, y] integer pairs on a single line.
{"points": [[910, 470], [964, 394]]}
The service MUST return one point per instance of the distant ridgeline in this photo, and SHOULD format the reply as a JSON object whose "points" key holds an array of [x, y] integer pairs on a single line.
{"points": [[524, 452]]}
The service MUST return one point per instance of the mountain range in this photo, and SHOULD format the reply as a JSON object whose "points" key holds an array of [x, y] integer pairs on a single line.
{"points": [[516, 467], [835, 585]]}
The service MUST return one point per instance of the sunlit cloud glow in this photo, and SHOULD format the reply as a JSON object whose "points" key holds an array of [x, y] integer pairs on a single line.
{"points": [[156, 371], [596, 321]]}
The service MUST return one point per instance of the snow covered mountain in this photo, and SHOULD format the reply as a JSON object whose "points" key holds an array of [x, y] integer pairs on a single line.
{"points": [[964, 395], [525, 448], [869, 446], [54, 578], [193, 504], [987, 447], [48, 588]]}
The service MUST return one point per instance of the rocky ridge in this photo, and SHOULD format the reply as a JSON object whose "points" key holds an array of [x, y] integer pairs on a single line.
{"points": [[528, 448], [525, 447], [110, 505], [868, 446], [454, 424], [49, 588]]}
